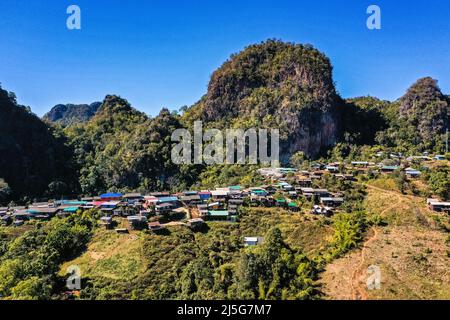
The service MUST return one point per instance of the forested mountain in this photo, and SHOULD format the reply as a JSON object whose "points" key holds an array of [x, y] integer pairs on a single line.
{"points": [[121, 148], [418, 120], [34, 160], [67, 114], [276, 85], [111, 146]]}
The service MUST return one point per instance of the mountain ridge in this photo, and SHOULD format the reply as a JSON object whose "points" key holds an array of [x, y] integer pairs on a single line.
{"points": [[67, 114]]}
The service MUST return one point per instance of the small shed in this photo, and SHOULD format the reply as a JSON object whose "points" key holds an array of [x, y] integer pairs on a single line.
{"points": [[155, 226], [253, 241], [218, 215], [195, 223]]}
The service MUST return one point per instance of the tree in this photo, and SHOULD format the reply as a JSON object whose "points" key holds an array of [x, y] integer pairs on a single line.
{"points": [[34, 288], [439, 181], [275, 271], [297, 159], [5, 192], [57, 189]]}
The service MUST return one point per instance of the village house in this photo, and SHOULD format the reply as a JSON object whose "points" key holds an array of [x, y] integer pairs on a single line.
{"points": [[236, 192], [412, 173], [155, 226], [233, 206], [137, 222], [293, 194], [18, 223], [331, 202], [438, 206], [317, 166], [150, 202], [204, 195], [347, 177], [171, 199], [304, 182], [6, 220], [321, 210], [218, 215], [107, 222], [258, 192], [253, 241], [69, 210], [111, 196], [307, 192], [269, 189], [196, 223], [419, 158], [281, 203], [202, 209], [360, 164], [332, 169], [21, 215], [292, 206], [132, 198], [108, 207], [164, 208], [42, 213], [440, 157], [286, 186], [191, 200], [316, 176], [220, 194], [3, 211], [268, 201], [389, 169]]}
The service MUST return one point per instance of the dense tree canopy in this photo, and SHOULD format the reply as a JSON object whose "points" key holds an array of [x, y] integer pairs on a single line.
{"points": [[32, 153], [123, 149]]}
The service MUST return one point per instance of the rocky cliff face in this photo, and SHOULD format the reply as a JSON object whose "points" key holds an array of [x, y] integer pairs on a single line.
{"points": [[67, 114], [277, 85]]}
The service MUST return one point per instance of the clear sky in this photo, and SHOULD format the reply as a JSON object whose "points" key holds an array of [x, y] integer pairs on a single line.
{"points": [[161, 53]]}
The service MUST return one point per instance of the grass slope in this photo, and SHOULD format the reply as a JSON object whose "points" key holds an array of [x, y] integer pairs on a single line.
{"points": [[411, 251]]}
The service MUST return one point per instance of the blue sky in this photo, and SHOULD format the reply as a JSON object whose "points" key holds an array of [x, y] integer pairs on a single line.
{"points": [[161, 53]]}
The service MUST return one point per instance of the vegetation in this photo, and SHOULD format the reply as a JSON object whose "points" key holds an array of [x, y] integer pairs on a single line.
{"points": [[29, 263], [439, 181], [418, 120], [32, 154], [122, 149], [211, 264], [110, 146]]}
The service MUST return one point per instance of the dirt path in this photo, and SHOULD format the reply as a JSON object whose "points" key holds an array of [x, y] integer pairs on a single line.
{"points": [[394, 193], [358, 287], [173, 224]]}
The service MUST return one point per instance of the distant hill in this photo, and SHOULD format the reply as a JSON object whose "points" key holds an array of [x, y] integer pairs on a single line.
{"points": [[418, 120], [67, 114]]}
